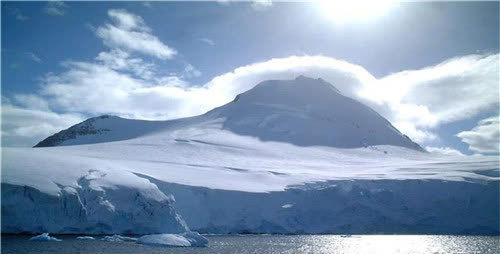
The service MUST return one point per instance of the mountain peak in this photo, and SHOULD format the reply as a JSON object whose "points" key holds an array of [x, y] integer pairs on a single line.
{"points": [[309, 79], [302, 77], [299, 91], [304, 80], [306, 112]]}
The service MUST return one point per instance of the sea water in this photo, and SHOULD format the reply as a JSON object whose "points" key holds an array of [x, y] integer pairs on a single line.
{"points": [[269, 244]]}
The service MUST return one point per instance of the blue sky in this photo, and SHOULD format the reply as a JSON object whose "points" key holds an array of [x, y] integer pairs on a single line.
{"points": [[430, 68]]}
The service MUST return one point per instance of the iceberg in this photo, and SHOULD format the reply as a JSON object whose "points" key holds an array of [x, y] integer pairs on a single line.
{"points": [[187, 239], [118, 238], [44, 238], [85, 238]]}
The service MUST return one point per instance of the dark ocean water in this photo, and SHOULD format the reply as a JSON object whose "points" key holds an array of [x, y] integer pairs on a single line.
{"points": [[267, 244]]}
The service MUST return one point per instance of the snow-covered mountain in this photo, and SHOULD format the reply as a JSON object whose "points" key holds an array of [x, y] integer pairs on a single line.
{"points": [[284, 157], [303, 112]]}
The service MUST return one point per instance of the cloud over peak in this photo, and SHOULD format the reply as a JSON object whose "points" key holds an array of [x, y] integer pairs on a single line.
{"points": [[119, 84]]}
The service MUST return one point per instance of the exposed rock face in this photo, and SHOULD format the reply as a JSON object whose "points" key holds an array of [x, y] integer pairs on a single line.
{"points": [[84, 128]]}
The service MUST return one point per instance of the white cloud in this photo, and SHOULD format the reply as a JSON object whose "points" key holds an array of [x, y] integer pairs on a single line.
{"points": [[416, 134], [113, 85], [261, 4], [27, 126], [415, 101], [190, 71], [255, 4], [120, 60], [116, 84], [31, 101], [55, 8], [90, 27], [21, 17], [456, 89], [207, 41], [108, 87], [345, 76], [17, 13], [33, 57], [485, 137], [129, 32], [443, 150]]}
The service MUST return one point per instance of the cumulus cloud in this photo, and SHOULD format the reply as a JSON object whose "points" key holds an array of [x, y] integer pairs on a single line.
{"points": [[120, 60], [456, 89], [129, 32], [109, 88], [485, 137], [443, 150], [115, 82]]}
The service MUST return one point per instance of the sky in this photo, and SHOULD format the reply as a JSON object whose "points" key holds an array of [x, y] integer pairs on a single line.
{"points": [[431, 68]]}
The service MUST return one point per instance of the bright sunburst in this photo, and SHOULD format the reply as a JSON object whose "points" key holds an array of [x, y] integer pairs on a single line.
{"points": [[354, 10]]}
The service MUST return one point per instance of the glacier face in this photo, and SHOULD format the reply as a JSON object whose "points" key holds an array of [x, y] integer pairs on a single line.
{"points": [[345, 207], [275, 160], [46, 197]]}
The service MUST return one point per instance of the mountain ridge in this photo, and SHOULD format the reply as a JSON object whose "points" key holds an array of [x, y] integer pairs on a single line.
{"points": [[302, 111]]}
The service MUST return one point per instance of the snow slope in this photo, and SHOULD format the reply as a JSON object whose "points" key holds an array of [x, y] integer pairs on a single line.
{"points": [[100, 129], [257, 165]]}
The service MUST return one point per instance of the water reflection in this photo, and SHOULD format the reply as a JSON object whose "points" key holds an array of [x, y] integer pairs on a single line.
{"points": [[272, 244]]}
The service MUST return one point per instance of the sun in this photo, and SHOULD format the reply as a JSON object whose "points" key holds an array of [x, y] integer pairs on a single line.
{"points": [[349, 11]]}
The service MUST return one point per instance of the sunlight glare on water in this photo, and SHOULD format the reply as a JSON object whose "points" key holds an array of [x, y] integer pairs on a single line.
{"points": [[394, 244]]}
